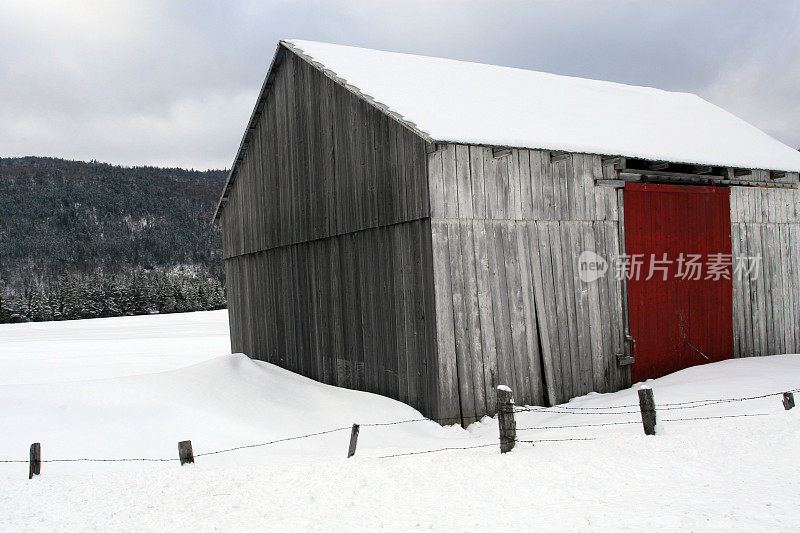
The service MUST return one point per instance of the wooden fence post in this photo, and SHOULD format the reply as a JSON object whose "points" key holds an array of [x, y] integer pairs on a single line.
{"points": [[647, 405], [35, 468], [788, 400], [505, 418], [185, 452], [351, 451]]}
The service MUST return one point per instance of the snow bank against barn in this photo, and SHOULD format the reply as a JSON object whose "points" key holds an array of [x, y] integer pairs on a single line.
{"points": [[135, 386], [133, 393]]}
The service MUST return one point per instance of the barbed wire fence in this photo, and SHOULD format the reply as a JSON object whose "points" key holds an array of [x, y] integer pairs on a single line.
{"points": [[507, 423]]}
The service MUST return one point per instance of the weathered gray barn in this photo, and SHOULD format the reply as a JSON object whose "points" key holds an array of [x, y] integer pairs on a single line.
{"points": [[412, 226]]}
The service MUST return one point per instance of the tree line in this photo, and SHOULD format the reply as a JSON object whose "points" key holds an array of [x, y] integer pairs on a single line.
{"points": [[87, 239], [76, 296]]}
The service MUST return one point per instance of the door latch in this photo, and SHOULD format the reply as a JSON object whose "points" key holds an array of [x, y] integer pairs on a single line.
{"points": [[625, 359]]}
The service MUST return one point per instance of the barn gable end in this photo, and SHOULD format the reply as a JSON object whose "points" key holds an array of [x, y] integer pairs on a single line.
{"points": [[326, 239], [318, 161]]}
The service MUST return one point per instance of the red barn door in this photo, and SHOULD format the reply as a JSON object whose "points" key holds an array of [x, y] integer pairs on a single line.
{"points": [[678, 313]]}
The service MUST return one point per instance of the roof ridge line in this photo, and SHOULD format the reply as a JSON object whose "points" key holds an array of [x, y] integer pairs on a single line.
{"points": [[356, 90]]}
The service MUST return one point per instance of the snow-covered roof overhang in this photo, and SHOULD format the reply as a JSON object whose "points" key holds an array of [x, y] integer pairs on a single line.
{"points": [[445, 100]]}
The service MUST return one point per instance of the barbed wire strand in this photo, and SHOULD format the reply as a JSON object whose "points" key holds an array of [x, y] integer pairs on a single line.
{"points": [[556, 440], [556, 410], [276, 441], [570, 426], [439, 450], [286, 439], [665, 406], [624, 423], [93, 460], [713, 417], [566, 407]]}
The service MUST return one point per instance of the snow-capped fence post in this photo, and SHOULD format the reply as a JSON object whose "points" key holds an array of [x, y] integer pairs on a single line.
{"points": [[788, 400], [36, 460], [647, 405], [185, 452], [505, 418], [351, 451]]}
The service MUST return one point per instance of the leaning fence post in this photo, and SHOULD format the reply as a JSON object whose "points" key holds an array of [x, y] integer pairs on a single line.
{"points": [[647, 405], [35, 468], [185, 452], [788, 400], [505, 418], [351, 451]]}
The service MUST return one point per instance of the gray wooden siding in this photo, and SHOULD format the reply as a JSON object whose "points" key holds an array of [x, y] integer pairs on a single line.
{"points": [[511, 309], [321, 162], [353, 310], [327, 245], [765, 222]]}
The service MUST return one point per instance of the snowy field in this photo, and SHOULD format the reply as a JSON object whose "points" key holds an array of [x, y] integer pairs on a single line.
{"points": [[134, 387]]}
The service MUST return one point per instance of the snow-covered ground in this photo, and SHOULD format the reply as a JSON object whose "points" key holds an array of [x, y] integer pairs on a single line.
{"points": [[133, 387], [79, 350]]}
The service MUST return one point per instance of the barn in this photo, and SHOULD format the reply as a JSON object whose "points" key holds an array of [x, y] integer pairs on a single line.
{"points": [[429, 229]]}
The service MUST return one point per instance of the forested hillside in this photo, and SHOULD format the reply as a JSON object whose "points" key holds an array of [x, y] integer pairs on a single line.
{"points": [[91, 239]]}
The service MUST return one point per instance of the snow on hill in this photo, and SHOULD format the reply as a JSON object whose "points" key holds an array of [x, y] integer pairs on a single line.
{"points": [[133, 387]]}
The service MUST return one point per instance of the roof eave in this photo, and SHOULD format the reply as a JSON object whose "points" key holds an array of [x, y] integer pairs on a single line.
{"points": [[277, 58]]}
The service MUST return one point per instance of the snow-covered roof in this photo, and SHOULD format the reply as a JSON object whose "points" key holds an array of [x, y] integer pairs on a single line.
{"points": [[473, 103]]}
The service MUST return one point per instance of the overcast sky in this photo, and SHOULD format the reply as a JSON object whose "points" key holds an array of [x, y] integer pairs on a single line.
{"points": [[173, 84]]}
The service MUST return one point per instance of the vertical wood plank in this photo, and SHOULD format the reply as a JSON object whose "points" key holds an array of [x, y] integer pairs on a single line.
{"points": [[554, 187], [573, 198], [368, 263], [449, 406], [575, 319], [565, 340], [525, 186], [785, 281], [426, 274], [514, 186], [532, 355], [738, 319], [546, 306], [464, 348], [769, 266], [486, 312], [473, 318], [450, 180], [477, 180], [410, 357], [399, 247], [516, 312], [419, 232], [794, 246], [492, 188], [537, 185], [436, 184], [601, 381], [502, 313], [463, 181]]}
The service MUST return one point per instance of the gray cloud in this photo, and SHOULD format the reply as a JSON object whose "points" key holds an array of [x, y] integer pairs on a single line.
{"points": [[174, 83]]}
